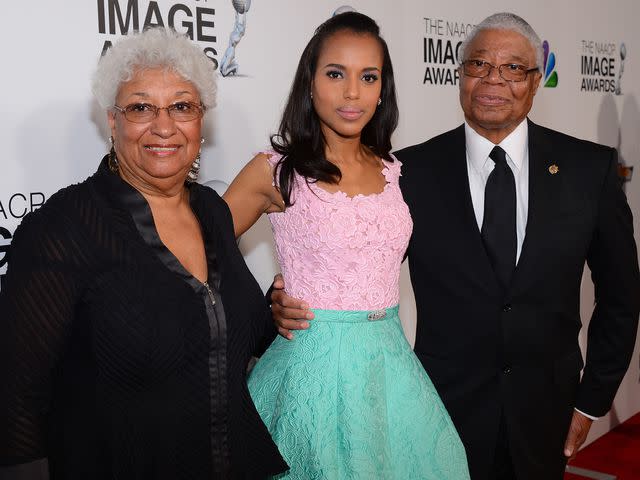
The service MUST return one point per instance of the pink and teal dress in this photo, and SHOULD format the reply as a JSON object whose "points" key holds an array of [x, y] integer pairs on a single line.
{"points": [[348, 398]]}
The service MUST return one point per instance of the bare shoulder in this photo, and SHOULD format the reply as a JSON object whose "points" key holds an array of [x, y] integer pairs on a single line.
{"points": [[263, 162], [255, 184]]}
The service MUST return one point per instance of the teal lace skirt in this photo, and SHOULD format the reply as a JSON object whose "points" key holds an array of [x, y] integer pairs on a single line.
{"points": [[348, 399]]}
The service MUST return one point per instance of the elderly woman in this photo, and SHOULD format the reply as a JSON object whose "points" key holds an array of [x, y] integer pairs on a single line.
{"points": [[128, 313]]}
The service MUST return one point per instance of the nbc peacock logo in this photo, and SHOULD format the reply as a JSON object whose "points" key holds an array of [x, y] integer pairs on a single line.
{"points": [[550, 74]]}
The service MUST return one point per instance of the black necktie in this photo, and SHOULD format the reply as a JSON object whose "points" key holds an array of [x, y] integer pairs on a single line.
{"points": [[499, 222]]}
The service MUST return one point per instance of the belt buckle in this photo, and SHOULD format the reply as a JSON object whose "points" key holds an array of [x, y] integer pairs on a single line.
{"points": [[376, 315]]}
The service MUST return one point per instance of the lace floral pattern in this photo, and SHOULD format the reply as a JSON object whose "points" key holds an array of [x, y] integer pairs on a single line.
{"points": [[339, 252], [352, 401]]}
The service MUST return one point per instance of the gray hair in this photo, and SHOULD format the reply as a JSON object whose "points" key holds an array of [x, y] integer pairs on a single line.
{"points": [[155, 47], [507, 21]]}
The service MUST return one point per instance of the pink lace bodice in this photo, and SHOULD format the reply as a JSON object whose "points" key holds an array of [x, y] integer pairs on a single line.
{"points": [[343, 253]]}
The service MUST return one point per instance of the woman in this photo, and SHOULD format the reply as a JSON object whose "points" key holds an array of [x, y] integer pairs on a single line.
{"points": [[129, 315], [346, 398]]}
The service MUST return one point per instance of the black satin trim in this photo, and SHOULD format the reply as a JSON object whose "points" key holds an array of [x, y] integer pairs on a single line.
{"points": [[131, 200], [218, 395]]}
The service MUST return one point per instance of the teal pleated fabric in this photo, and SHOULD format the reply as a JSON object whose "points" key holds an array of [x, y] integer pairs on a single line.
{"points": [[348, 399]]}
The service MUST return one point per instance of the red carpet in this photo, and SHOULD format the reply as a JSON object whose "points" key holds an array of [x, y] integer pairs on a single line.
{"points": [[615, 453]]}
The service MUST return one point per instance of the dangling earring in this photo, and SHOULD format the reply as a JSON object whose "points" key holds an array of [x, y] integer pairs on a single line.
{"points": [[379, 101], [192, 174], [113, 160], [311, 95]]}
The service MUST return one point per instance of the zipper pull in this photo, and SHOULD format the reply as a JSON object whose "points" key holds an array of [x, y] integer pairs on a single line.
{"points": [[211, 297]]}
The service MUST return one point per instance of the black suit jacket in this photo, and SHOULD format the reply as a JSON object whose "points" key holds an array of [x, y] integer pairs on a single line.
{"points": [[488, 351]]}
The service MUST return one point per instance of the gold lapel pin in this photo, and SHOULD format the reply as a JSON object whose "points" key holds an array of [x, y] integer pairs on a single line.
{"points": [[553, 169]]}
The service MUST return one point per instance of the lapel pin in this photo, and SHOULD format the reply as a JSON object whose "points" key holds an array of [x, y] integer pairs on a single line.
{"points": [[553, 169]]}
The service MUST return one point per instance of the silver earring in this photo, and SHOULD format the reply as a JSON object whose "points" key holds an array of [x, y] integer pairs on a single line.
{"points": [[192, 174], [113, 160], [379, 101], [311, 95]]}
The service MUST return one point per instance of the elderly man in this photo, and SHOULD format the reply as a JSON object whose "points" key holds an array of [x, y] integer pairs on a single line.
{"points": [[505, 214]]}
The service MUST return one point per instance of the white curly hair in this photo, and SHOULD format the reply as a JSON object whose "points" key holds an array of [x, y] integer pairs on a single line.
{"points": [[506, 21], [153, 48]]}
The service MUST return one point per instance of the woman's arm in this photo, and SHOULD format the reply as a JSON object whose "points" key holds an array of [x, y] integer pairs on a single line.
{"points": [[37, 305], [252, 193]]}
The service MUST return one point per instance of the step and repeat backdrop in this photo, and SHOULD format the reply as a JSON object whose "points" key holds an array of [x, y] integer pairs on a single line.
{"points": [[53, 132]]}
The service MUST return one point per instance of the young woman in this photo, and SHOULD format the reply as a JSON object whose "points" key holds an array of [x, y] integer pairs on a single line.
{"points": [[346, 398]]}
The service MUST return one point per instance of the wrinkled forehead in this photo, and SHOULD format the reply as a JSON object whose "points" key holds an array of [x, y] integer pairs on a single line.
{"points": [[502, 45]]}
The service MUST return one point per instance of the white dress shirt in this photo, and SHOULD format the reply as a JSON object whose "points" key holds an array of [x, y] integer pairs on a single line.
{"points": [[479, 166]]}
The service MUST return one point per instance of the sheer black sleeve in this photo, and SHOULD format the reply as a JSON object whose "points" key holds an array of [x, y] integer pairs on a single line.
{"points": [[266, 332], [37, 304]]}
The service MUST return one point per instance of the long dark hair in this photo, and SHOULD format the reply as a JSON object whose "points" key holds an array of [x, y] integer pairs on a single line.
{"points": [[300, 140]]}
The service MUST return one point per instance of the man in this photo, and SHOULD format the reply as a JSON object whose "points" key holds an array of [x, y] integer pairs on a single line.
{"points": [[500, 239]]}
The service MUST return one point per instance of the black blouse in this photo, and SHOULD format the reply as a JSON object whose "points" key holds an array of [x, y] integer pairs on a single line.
{"points": [[115, 362]]}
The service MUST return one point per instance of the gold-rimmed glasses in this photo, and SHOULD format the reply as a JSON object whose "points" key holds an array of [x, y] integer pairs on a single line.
{"points": [[147, 112]]}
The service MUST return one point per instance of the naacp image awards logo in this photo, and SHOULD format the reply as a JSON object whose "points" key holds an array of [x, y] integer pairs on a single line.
{"points": [[13, 209], [441, 50], [602, 66], [196, 19]]}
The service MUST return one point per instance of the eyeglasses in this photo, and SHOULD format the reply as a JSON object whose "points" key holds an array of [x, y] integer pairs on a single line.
{"points": [[510, 72], [146, 112]]}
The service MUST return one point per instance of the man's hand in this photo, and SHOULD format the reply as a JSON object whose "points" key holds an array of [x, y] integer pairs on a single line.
{"points": [[288, 313], [578, 430]]}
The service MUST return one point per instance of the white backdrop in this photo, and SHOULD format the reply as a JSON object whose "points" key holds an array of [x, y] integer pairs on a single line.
{"points": [[54, 134]]}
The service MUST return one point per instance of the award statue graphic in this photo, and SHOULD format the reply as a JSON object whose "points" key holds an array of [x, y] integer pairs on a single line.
{"points": [[623, 55], [343, 9], [228, 65]]}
